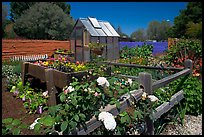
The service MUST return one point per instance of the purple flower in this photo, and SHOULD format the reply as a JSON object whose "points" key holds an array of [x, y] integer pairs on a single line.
{"points": [[24, 98], [15, 93], [40, 109]]}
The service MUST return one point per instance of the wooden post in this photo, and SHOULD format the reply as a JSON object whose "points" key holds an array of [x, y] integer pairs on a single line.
{"points": [[50, 87], [24, 71], [145, 80], [189, 64]]}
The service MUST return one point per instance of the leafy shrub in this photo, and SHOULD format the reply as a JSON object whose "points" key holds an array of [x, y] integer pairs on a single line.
{"points": [[144, 51], [32, 100], [185, 49], [11, 126], [12, 74], [192, 92], [82, 100]]}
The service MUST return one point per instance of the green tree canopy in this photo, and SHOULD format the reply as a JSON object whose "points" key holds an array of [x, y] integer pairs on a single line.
{"points": [[193, 13], [138, 35], [158, 30], [17, 8], [4, 13], [44, 20]]}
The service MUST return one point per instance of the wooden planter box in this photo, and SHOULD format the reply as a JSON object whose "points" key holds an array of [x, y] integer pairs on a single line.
{"points": [[53, 78]]}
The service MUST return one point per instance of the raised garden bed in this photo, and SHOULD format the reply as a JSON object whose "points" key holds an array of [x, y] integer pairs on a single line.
{"points": [[55, 78]]}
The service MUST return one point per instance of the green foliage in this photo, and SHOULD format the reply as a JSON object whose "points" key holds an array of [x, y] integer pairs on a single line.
{"points": [[144, 51], [193, 13], [81, 100], [138, 35], [194, 30], [44, 20], [18, 8], [192, 88], [12, 71], [11, 126], [32, 100], [4, 13], [158, 30], [185, 49]]}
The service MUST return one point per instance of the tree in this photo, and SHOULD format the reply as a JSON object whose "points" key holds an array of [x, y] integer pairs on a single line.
{"points": [[4, 13], [44, 20], [152, 30], [158, 30], [138, 35], [122, 35], [119, 30], [163, 30], [193, 13], [17, 8], [194, 30]]}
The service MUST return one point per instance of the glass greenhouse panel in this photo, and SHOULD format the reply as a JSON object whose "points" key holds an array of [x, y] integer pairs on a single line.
{"points": [[100, 32], [90, 28], [94, 22], [109, 27], [108, 33]]}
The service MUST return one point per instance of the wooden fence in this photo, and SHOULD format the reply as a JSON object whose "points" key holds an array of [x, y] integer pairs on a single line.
{"points": [[28, 57], [146, 85]]}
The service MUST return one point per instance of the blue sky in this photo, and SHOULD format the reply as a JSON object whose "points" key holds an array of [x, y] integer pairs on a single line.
{"points": [[130, 16]]}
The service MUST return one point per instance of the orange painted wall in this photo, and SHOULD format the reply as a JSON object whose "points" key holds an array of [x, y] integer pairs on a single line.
{"points": [[12, 48]]}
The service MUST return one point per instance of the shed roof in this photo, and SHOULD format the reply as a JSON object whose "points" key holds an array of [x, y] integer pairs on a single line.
{"points": [[98, 28]]}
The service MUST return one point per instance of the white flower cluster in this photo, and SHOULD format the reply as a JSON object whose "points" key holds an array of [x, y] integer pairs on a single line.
{"points": [[68, 90], [108, 120], [151, 97], [34, 123], [130, 81], [103, 82]]}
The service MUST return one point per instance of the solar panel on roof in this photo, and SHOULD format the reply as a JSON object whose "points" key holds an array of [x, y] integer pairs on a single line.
{"points": [[94, 22]]}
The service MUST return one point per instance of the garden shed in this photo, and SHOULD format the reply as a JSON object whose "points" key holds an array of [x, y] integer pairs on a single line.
{"points": [[90, 31]]}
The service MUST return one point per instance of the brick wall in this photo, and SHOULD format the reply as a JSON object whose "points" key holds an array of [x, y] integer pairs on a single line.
{"points": [[12, 48]]}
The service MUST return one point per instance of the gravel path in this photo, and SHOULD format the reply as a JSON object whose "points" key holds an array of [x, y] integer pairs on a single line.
{"points": [[192, 126]]}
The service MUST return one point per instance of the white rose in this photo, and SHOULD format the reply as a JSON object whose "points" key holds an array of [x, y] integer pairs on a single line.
{"points": [[108, 120], [70, 89], [45, 94], [130, 81], [109, 123], [153, 98], [103, 81]]}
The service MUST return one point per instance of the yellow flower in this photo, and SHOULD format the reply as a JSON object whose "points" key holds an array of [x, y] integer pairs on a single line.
{"points": [[45, 63], [144, 95]]}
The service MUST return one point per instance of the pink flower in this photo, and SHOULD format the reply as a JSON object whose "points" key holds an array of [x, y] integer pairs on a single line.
{"points": [[96, 94], [23, 99], [15, 93], [40, 109], [66, 91]]}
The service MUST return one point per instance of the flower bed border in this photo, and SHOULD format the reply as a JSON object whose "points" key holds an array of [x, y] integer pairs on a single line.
{"points": [[53, 78]]}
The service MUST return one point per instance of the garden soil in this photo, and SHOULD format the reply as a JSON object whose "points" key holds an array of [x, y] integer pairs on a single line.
{"points": [[13, 107]]}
